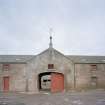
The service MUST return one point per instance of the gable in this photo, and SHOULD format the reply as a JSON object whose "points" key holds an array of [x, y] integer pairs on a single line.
{"points": [[51, 56]]}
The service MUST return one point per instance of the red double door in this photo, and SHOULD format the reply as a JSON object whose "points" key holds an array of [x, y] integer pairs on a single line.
{"points": [[6, 83], [57, 82]]}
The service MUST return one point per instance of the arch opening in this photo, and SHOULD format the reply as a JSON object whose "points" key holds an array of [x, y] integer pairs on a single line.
{"points": [[51, 81]]}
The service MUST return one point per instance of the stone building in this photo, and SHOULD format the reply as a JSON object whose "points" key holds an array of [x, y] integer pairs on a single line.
{"points": [[51, 71]]}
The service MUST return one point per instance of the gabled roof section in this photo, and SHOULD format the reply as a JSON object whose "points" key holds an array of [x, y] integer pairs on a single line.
{"points": [[52, 52], [63, 55]]}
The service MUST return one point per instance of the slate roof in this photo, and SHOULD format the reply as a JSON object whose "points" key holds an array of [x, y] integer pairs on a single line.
{"points": [[15, 58], [87, 59], [74, 58]]}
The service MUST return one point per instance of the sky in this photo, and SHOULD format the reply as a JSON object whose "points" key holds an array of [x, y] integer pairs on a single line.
{"points": [[78, 26]]}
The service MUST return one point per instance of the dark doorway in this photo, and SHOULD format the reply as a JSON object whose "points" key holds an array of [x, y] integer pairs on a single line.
{"points": [[45, 81]]}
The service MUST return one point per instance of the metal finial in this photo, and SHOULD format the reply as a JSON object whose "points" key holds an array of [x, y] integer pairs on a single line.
{"points": [[50, 45], [50, 32], [50, 38]]}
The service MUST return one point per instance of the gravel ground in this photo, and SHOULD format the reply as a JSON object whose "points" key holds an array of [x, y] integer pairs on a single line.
{"points": [[95, 97]]}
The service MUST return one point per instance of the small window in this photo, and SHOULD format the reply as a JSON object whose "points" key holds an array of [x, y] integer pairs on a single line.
{"points": [[6, 67], [50, 66], [94, 81], [93, 78], [93, 67]]}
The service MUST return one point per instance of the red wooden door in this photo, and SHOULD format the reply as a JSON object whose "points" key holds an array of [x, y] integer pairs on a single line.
{"points": [[57, 82], [6, 83]]}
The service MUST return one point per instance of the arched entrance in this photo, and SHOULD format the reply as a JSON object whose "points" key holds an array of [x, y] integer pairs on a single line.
{"points": [[51, 81]]}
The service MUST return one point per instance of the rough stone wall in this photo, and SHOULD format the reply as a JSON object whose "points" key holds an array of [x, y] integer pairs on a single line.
{"points": [[83, 74], [17, 75]]}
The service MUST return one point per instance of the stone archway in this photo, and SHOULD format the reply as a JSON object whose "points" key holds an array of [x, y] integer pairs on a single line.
{"points": [[51, 81]]}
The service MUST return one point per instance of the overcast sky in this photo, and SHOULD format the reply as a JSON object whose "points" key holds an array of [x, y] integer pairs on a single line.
{"points": [[78, 26]]}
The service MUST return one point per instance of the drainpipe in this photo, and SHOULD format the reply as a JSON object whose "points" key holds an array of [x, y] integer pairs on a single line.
{"points": [[27, 79], [74, 77]]}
